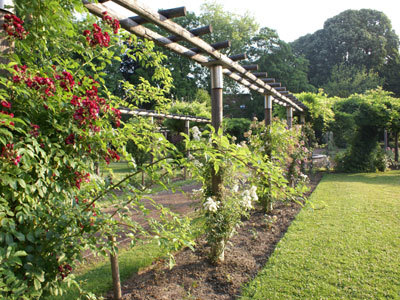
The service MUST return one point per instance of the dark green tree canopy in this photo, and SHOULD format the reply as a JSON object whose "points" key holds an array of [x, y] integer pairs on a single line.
{"points": [[362, 38]]}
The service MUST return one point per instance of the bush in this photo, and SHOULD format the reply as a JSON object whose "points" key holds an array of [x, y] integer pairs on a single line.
{"points": [[236, 127]]}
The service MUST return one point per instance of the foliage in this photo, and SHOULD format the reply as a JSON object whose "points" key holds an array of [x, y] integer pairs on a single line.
{"points": [[236, 127], [224, 207], [196, 108], [286, 149], [58, 119], [319, 112], [346, 80], [340, 246], [274, 55], [357, 38], [365, 154]]}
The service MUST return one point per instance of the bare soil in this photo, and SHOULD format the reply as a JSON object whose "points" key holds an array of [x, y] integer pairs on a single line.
{"points": [[194, 277]]}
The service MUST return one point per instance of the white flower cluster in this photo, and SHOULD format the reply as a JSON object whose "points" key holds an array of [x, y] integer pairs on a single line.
{"points": [[210, 205], [248, 196], [303, 177], [196, 133]]}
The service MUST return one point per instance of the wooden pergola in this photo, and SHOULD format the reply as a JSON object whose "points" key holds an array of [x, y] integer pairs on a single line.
{"points": [[203, 53]]}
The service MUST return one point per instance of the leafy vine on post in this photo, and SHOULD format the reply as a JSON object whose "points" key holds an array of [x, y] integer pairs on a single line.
{"points": [[57, 119]]}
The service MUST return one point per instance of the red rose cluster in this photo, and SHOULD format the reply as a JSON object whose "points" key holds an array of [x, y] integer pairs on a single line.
{"points": [[44, 84], [111, 155], [13, 26], [97, 36], [64, 270], [8, 153], [114, 23], [81, 176]]}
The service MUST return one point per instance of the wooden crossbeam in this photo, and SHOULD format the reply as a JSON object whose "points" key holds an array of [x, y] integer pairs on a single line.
{"points": [[216, 46], [260, 74], [196, 32], [161, 21], [238, 57], [235, 57], [167, 13], [280, 89], [238, 73], [268, 80], [152, 113], [250, 67], [276, 84]]}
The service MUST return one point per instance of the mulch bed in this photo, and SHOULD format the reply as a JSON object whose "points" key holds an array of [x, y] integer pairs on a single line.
{"points": [[195, 278]]}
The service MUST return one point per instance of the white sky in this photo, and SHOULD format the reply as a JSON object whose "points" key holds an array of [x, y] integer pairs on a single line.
{"points": [[290, 18]]}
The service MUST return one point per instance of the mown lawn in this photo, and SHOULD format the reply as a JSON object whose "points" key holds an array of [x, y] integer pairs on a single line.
{"points": [[346, 245]]}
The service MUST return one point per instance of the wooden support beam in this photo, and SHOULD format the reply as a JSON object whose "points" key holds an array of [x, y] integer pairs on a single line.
{"points": [[196, 32], [261, 74], [289, 114], [167, 13], [302, 119], [276, 84], [280, 89], [216, 46], [238, 57], [235, 57], [268, 80], [216, 120], [159, 20], [250, 67], [238, 74], [268, 109]]}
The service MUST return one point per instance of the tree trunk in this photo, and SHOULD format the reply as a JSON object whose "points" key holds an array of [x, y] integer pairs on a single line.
{"points": [[218, 252]]}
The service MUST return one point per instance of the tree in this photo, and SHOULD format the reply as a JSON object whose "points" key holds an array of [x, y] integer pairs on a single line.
{"points": [[372, 115], [319, 112], [277, 58], [346, 80], [356, 38]]}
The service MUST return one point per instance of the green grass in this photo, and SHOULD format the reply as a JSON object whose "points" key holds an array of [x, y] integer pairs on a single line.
{"points": [[344, 246], [96, 277]]}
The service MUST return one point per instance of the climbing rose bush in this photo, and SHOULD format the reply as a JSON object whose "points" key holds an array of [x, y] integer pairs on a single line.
{"points": [[57, 120]]}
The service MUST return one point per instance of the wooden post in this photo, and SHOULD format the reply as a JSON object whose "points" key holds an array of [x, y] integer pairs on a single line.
{"points": [[6, 46], [187, 132], [302, 119], [115, 272], [396, 146], [216, 118], [289, 114], [268, 110], [385, 138]]}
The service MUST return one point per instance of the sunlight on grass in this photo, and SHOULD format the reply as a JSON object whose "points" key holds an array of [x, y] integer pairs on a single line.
{"points": [[346, 247]]}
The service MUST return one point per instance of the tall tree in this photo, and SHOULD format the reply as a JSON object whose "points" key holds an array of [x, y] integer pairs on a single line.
{"points": [[354, 37], [277, 58], [346, 80]]}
